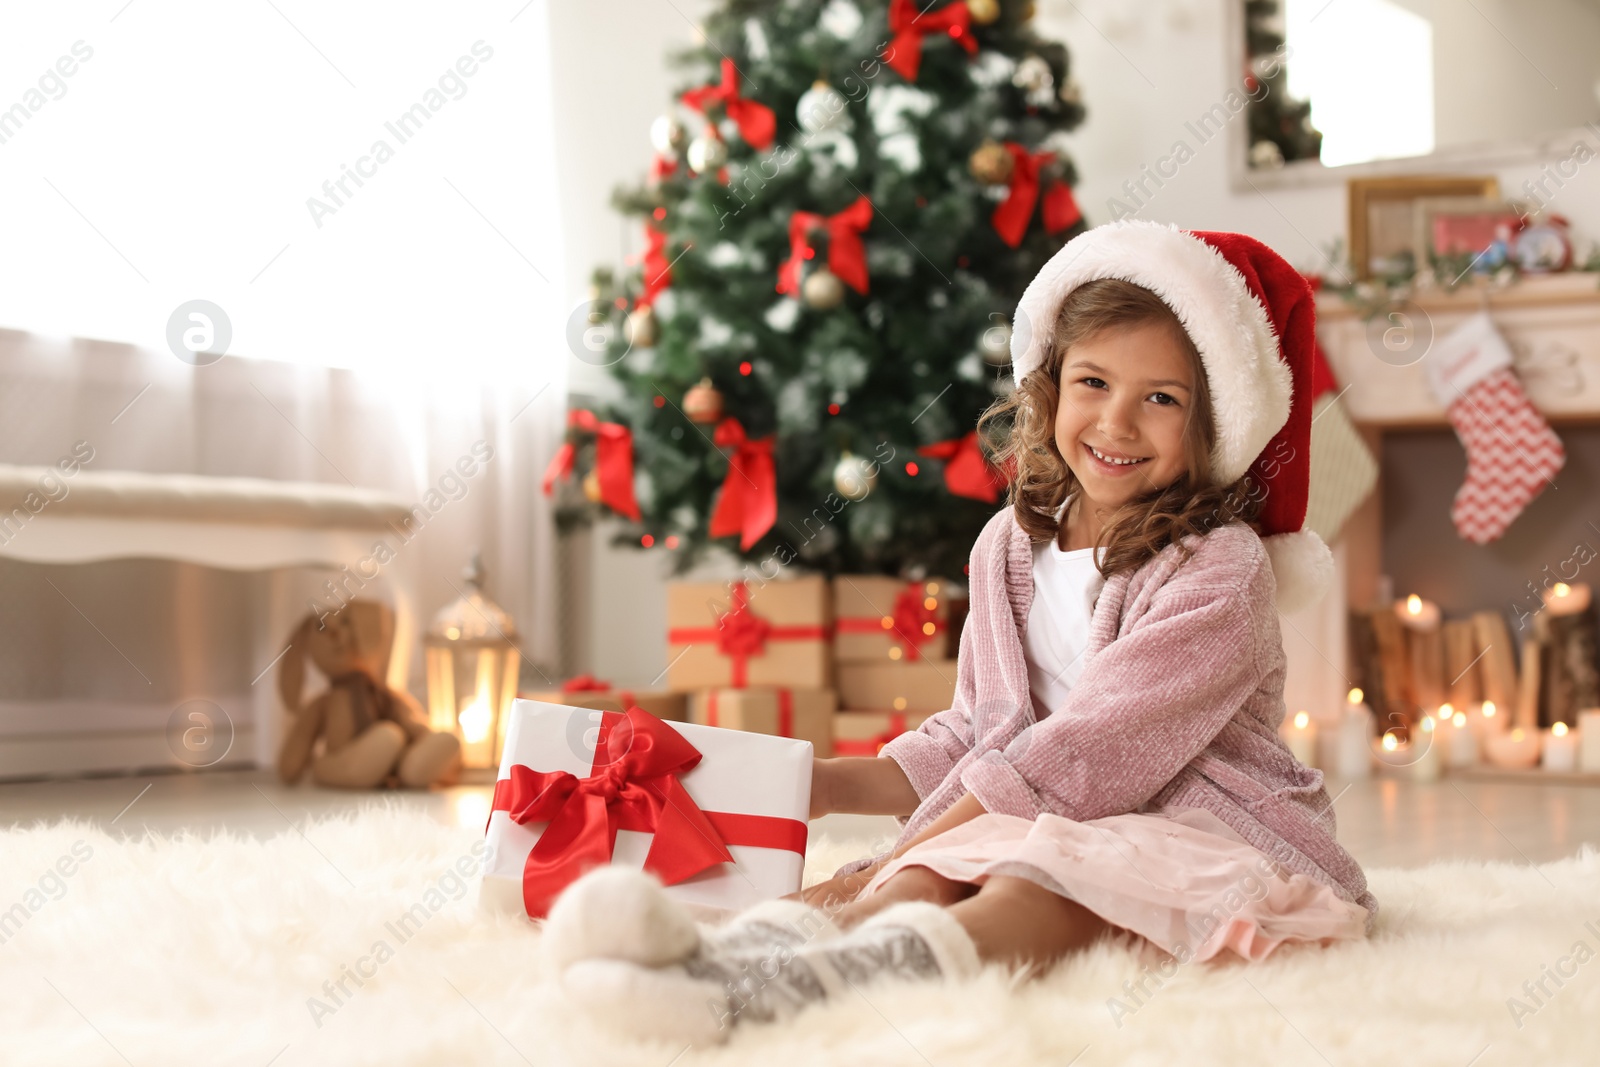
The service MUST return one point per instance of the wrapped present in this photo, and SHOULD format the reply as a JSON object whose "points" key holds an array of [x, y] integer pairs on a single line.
{"points": [[864, 733], [926, 685], [770, 709], [719, 816], [587, 691], [735, 634], [878, 619]]}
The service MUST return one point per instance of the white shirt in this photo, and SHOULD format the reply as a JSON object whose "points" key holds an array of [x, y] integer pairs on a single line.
{"points": [[1065, 585]]}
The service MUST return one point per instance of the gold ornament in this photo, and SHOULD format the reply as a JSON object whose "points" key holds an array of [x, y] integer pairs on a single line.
{"points": [[854, 477], [822, 290], [707, 152], [591, 486], [703, 402], [642, 328], [668, 135], [995, 344], [991, 163], [983, 12], [1025, 13]]}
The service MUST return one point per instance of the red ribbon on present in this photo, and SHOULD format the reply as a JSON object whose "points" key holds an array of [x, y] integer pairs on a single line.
{"points": [[785, 710], [966, 472], [873, 745], [740, 633], [657, 270], [585, 683], [632, 785], [748, 504], [910, 26], [613, 461], [1010, 219], [846, 256], [909, 615], [757, 123]]}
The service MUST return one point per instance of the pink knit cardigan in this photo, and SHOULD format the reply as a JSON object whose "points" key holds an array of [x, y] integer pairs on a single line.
{"points": [[1178, 706]]}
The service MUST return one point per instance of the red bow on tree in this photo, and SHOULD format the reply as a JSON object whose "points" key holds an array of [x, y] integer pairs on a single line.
{"points": [[910, 26], [966, 471], [657, 268], [846, 256], [662, 166], [613, 460], [748, 505], [757, 124], [1010, 219]]}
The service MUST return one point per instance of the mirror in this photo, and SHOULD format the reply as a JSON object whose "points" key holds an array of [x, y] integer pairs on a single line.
{"points": [[1345, 86]]}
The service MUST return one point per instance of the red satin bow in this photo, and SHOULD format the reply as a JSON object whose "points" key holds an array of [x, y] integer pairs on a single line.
{"points": [[757, 123], [662, 166], [909, 26], [657, 268], [911, 616], [634, 786], [966, 471], [585, 683], [748, 504], [613, 461], [1010, 219], [846, 256], [740, 634]]}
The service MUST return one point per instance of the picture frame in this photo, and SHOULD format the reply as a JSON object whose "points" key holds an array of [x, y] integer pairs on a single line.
{"points": [[1382, 218], [1466, 233]]}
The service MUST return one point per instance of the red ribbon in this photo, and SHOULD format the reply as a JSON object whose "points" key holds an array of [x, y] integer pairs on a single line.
{"points": [[966, 472], [873, 745], [910, 26], [846, 256], [632, 785], [662, 166], [657, 268], [785, 710], [757, 123], [613, 461], [748, 504], [909, 615], [585, 683], [740, 633], [1010, 219]]}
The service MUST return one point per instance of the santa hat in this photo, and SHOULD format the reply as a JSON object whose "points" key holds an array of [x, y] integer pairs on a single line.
{"points": [[1251, 316]]}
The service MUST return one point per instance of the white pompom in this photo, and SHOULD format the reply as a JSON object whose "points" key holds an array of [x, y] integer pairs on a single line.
{"points": [[1302, 566]]}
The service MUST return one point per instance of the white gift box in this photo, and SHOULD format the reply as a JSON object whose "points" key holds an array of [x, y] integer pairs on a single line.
{"points": [[739, 773]]}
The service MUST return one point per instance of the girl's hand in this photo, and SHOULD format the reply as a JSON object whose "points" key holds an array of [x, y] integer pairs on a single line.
{"points": [[822, 787], [839, 890]]}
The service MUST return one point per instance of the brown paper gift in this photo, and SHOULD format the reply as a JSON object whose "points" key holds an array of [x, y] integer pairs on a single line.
{"points": [[879, 619], [926, 685], [738, 634], [585, 691], [864, 733], [806, 714]]}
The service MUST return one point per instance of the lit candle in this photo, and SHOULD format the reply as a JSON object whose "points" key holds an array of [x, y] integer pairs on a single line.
{"points": [[1589, 741], [1421, 615], [1301, 737], [1355, 737], [1461, 747], [1427, 763], [1564, 599], [1488, 721], [1516, 749], [1560, 749]]}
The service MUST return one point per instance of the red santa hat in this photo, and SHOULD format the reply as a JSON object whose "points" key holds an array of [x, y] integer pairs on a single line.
{"points": [[1252, 317]]}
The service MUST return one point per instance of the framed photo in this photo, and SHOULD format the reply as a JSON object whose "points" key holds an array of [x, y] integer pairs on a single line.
{"points": [[1465, 234], [1383, 218]]}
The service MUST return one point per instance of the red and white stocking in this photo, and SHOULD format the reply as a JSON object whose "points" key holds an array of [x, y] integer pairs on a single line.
{"points": [[1512, 453]]}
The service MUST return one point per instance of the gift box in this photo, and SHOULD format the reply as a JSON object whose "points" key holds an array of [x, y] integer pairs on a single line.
{"points": [[767, 709], [864, 733], [878, 619], [719, 816], [926, 685], [737, 634], [587, 691]]}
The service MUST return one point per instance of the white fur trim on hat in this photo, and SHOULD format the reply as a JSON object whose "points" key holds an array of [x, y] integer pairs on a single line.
{"points": [[1302, 568], [1250, 384]]}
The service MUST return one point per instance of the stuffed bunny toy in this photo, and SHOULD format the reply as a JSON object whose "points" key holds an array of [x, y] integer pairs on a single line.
{"points": [[371, 734]]}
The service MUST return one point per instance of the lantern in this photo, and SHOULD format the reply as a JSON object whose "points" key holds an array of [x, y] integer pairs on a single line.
{"points": [[473, 662]]}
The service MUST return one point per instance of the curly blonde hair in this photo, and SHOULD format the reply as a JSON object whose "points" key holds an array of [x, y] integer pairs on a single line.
{"points": [[1020, 429]]}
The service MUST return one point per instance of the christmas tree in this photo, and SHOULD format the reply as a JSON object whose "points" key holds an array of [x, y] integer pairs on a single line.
{"points": [[1280, 126], [842, 210]]}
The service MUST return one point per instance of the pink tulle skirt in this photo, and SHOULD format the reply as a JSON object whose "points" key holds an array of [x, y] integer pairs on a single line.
{"points": [[1184, 880]]}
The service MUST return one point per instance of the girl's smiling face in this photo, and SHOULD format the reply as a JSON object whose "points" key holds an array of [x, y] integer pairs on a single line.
{"points": [[1125, 396]]}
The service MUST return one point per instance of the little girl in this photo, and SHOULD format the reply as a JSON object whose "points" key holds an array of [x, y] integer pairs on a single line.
{"points": [[1111, 764]]}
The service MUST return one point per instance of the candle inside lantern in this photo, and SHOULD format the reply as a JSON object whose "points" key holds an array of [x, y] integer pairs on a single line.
{"points": [[1355, 737], [1516, 749], [1419, 614], [1564, 599], [1301, 737], [1560, 749]]}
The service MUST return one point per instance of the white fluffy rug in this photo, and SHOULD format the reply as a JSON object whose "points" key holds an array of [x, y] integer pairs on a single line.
{"points": [[184, 950]]}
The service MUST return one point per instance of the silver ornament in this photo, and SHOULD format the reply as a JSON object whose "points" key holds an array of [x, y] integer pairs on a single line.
{"points": [[995, 344], [822, 290], [1033, 74], [1266, 155], [822, 107], [854, 477], [707, 152], [668, 135]]}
